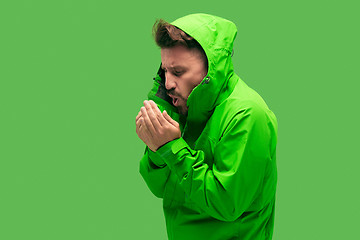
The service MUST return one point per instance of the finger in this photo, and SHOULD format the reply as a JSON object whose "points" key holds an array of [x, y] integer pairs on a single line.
{"points": [[141, 125], [154, 106], [169, 119], [158, 113], [138, 116], [137, 120], [138, 125], [141, 129], [152, 116], [147, 121]]}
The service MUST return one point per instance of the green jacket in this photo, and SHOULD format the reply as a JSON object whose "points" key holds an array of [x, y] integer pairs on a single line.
{"points": [[218, 181]]}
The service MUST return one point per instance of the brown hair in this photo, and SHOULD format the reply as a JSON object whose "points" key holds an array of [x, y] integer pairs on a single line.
{"points": [[167, 35]]}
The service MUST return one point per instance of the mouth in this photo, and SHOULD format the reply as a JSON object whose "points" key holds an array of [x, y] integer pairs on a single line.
{"points": [[175, 100]]}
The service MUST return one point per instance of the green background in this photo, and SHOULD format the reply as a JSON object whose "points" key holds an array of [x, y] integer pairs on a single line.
{"points": [[74, 74]]}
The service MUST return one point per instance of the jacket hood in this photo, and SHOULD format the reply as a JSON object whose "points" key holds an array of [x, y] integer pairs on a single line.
{"points": [[216, 36]]}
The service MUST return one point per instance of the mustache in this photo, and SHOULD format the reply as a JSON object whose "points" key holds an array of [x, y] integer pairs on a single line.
{"points": [[172, 92]]}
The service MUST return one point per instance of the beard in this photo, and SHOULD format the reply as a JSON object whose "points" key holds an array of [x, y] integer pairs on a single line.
{"points": [[182, 102], [182, 108]]}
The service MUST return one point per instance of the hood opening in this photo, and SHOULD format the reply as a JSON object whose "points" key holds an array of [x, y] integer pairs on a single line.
{"points": [[161, 92]]}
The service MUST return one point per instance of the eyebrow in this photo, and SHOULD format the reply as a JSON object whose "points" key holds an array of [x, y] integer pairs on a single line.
{"points": [[175, 67]]}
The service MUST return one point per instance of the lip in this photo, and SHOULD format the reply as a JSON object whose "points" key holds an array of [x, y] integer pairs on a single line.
{"points": [[175, 100]]}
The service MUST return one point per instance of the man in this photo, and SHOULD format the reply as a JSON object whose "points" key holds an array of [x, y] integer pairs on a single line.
{"points": [[211, 139]]}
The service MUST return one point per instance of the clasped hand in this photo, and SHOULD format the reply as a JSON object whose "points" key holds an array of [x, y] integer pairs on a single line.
{"points": [[155, 128]]}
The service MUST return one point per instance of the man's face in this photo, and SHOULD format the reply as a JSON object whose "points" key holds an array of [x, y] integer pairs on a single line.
{"points": [[184, 70]]}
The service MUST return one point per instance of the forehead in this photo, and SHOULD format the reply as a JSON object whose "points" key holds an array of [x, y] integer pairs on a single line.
{"points": [[179, 56]]}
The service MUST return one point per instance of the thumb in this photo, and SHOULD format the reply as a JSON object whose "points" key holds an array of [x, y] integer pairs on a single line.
{"points": [[169, 119]]}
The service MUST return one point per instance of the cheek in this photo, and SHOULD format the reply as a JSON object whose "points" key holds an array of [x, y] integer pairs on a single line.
{"points": [[188, 85]]}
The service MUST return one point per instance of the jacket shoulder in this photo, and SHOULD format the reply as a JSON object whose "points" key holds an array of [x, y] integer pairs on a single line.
{"points": [[243, 102]]}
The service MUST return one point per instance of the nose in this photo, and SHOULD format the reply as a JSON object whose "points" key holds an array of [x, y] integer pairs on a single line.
{"points": [[169, 82]]}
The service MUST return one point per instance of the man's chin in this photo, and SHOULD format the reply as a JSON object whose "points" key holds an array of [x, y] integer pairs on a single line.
{"points": [[182, 111]]}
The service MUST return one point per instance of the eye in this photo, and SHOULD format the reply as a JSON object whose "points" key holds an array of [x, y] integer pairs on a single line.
{"points": [[177, 73]]}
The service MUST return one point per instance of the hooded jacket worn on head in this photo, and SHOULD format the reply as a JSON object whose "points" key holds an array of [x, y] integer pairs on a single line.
{"points": [[218, 181]]}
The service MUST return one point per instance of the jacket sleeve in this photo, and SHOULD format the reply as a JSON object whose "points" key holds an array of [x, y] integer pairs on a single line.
{"points": [[155, 172], [227, 188]]}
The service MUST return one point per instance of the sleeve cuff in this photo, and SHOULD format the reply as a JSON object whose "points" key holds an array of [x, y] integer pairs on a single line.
{"points": [[168, 153], [155, 159]]}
